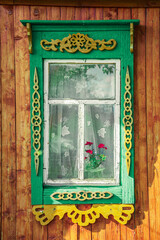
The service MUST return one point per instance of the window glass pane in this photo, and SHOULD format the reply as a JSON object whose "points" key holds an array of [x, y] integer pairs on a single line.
{"points": [[99, 135], [82, 81], [63, 139]]}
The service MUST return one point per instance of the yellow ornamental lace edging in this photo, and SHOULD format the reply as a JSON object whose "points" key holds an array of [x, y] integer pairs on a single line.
{"points": [[46, 213], [78, 42], [81, 195], [128, 120], [36, 121]]}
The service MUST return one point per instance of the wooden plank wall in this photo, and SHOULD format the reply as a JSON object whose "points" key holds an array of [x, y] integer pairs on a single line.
{"points": [[17, 221]]}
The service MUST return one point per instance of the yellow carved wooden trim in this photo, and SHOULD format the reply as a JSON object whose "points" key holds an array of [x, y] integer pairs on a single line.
{"points": [[36, 121], [128, 120], [46, 213], [29, 33], [78, 42], [131, 37], [81, 195]]}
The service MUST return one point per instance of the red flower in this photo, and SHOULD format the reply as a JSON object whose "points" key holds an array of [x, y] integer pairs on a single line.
{"points": [[89, 151], [101, 145], [89, 143], [105, 148], [85, 158]]}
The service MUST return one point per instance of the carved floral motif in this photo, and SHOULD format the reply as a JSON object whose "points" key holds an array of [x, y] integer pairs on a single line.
{"points": [[46, 213], [78, 42]]}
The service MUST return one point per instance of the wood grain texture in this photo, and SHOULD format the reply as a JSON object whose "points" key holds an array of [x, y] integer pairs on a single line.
{"points": [[0, 135], [89, 3], [69, 229], [55, 230], [84, 232], [126, 233], [39, 232], [99, 229], [84, 13], [110, 13], [53, 13], [78, 13], [99, 14], [153, 120], [8, 125], [141, 174], [23, 135], [113, 229], [15, 128]]}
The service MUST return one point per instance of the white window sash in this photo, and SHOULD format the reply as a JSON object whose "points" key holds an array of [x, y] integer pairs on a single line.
{"points": [[81, 103]]}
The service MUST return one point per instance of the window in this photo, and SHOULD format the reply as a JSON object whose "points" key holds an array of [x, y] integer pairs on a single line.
{"points": [[82, 116], [81, 112]]}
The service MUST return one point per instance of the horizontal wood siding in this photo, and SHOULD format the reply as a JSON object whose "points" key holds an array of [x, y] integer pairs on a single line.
{"points": [[17, 221]]}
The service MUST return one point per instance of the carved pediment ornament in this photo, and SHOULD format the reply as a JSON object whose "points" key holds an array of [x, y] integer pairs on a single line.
{"points": [[78, 42]]}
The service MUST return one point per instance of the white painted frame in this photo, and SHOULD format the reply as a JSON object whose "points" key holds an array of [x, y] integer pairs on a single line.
{"points": [[80, 103]]}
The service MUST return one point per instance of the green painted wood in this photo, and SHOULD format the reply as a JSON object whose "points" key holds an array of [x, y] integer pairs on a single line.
{"points": [[36, 181], [79, 28], [124, 193], [116, 191], [82, 22], [127, 181]]}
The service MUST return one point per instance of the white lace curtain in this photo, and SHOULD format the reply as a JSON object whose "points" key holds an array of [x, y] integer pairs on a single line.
{"points": [[80, 82]]}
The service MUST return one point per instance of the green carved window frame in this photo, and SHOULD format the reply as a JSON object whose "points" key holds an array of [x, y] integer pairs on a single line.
{"points": [[112, 39]]}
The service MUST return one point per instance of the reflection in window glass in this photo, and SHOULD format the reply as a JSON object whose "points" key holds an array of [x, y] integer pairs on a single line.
{"points": [[81, 115], [82, 81]]}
